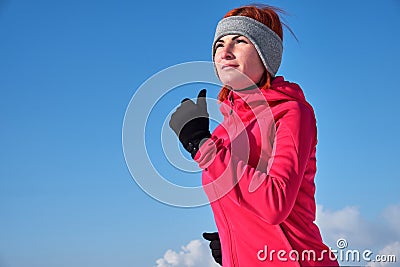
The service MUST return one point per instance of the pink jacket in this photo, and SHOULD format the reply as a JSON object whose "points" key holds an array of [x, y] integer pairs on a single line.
{"points": [[258, 173]]}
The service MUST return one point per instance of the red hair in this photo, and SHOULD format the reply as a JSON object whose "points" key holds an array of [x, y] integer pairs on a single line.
{"points": [[267, 15]]}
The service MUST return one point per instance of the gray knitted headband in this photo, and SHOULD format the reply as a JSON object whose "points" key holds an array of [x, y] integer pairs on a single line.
{"points": [[265, 40]]}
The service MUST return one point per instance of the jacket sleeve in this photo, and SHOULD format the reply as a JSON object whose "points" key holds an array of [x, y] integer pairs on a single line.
{"points": [[277, 189]]}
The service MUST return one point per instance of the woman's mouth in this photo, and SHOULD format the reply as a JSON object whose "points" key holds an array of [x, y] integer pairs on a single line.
{"points": [[227, 66]]}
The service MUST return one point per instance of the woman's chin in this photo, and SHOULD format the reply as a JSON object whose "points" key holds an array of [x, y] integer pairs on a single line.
{"points": [[236, 80]]}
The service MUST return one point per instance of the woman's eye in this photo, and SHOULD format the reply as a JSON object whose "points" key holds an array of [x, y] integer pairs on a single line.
{"points": [[218, 45], [241, 41]]}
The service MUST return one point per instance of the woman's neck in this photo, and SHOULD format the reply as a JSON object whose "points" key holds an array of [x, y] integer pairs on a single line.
{"points": [[253, 86]]}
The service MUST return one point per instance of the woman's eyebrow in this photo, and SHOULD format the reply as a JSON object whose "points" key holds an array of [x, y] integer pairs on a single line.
{"points": [[233, 38]]}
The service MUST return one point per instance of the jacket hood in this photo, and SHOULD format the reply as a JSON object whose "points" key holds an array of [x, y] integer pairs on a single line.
{"points": [[280, 91]]}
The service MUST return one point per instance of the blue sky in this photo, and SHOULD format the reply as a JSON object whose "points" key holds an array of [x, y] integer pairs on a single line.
{"points": [[68, 70]]}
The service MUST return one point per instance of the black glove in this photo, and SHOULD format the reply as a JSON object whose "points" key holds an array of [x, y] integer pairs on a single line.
{"points": [[215, 246], [190, 122]]}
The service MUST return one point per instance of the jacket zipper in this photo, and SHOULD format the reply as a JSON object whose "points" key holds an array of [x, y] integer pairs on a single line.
{"points": [[230, 238], [232, 103], [232, 246]]}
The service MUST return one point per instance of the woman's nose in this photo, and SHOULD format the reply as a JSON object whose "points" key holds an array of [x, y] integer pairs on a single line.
{"points": [[227, 53]]}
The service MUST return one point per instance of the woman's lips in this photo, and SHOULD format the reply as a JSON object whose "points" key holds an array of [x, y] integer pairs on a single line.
{"points": [[229, 66]]}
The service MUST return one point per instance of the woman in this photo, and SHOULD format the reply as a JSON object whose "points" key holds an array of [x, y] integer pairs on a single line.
{"points": [[259, 163]]}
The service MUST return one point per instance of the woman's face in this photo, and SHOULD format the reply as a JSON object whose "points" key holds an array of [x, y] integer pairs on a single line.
{"points": [[234, 56]]}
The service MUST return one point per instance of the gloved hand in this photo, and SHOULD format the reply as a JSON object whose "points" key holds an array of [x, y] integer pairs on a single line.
{"points": [[190, 122], [215, 246]]}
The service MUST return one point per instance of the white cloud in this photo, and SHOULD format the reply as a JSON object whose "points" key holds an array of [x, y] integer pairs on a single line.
{"points": [[381, 237], [359, 232], [345, 223], [195, 254], [392, 216], [390, 250]]}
